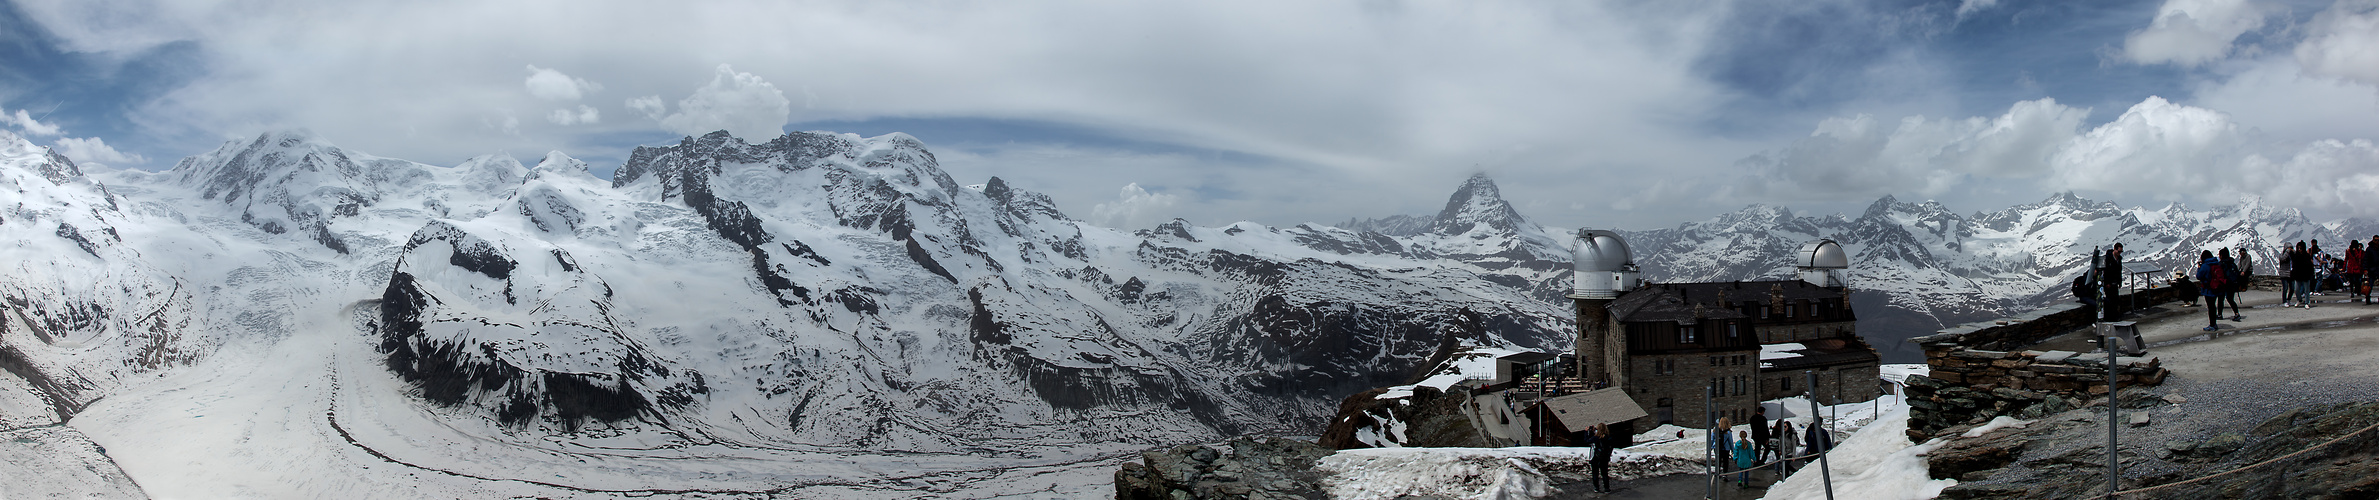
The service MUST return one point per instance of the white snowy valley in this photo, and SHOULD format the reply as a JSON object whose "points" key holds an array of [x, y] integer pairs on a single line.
{"points": [[815, 315]]}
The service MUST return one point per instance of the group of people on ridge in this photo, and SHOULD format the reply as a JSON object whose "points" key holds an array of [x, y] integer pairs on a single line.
{"points": [[1738, 452], [2305, 272], [2310, 272]]}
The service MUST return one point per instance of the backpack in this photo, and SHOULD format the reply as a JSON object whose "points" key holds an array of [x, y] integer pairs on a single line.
{"points": [[2219, 280], [2232, 281], [2081, 285]]}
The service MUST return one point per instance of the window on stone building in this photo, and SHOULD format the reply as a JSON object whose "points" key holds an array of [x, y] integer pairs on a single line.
{"points": [[1734, 330], [1686, 335], [1787, 385]]}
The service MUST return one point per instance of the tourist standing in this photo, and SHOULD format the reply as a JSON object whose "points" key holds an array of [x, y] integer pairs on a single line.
{"points": [[1744, 459], [2232, 284], [1759, 433], [1787, 447], [2354, 271], [1605, 442], [2300, 274], [2110, 280], [2370, 268], [2287, 274], [2209, 271]]}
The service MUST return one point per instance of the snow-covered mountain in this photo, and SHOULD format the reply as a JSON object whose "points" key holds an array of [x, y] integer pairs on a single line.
{"points": [[720, 316], [1918, 267], [815, 315]]}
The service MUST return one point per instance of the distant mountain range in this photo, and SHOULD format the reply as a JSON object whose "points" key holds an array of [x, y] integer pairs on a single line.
{"points": [[825, 293]]}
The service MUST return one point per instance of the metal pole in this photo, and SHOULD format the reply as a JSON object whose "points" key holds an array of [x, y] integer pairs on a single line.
{"points": [[1710, 441], [2114, 411], [1817, 421]]}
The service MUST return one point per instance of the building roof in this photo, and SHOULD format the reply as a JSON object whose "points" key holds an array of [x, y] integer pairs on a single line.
{"points": [[1600, 406], [1675, 301], [1815, 353], [1750, 291], [1667, 303]]}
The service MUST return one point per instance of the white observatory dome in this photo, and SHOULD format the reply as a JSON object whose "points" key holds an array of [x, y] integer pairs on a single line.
{"points": [[1821, 263], [1604, 266], [1822, 254]]}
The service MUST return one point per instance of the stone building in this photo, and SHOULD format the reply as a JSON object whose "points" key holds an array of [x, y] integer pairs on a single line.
{"points": [[1670, 346]]}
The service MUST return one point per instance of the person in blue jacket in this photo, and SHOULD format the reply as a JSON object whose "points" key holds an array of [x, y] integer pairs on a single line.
{"points": [[2210, 272]]}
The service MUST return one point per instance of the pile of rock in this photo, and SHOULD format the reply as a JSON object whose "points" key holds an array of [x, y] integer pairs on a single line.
{"points": [[1967, 385], [1242, 468]]}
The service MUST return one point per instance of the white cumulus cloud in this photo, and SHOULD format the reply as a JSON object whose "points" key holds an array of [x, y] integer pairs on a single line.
{"points": [[2157, 149], [552, 85], [650, 105], [25, 122], [739, 103], [2343, 42], [1861, 154], [94, 150], [1134, 207], [584, 114], [2192, 32]]}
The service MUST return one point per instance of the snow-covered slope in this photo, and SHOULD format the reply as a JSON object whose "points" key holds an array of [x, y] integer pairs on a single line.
{"points": [[813, 314]]}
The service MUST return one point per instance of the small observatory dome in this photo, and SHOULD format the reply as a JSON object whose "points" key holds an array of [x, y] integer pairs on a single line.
{"points": [[1821, 262], [1604, 266]]}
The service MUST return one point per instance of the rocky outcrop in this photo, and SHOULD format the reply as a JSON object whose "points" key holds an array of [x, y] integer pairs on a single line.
{"points": [[1242, 468], [1426, 418], [2045, 461]]}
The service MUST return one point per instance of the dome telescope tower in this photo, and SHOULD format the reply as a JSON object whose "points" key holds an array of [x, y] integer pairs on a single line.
{"points": [[1604, 269]]}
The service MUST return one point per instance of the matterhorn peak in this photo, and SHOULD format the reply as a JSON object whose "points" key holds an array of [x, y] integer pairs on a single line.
{"points": [[1476, 203]]}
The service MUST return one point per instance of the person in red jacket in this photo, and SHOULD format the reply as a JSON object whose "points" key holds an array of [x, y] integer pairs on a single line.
{"points": [[2354, 272]]}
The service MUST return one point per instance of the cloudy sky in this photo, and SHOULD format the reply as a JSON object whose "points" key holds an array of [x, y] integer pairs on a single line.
{"points": [[1610, 114]]}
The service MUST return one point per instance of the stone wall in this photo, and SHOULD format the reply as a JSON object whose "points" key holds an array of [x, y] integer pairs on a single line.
{"points": [[1835, 385], [1969, 385], [1975, 374], [2028, 328]]}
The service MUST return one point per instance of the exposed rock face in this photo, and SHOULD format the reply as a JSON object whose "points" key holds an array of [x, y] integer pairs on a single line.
{"points": [[2042, 460], [1427, 418], [1242, 468]]}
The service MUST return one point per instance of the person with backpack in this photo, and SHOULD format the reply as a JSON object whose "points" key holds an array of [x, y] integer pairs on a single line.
{"points": [[2209, 271], [2233, 282]]}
